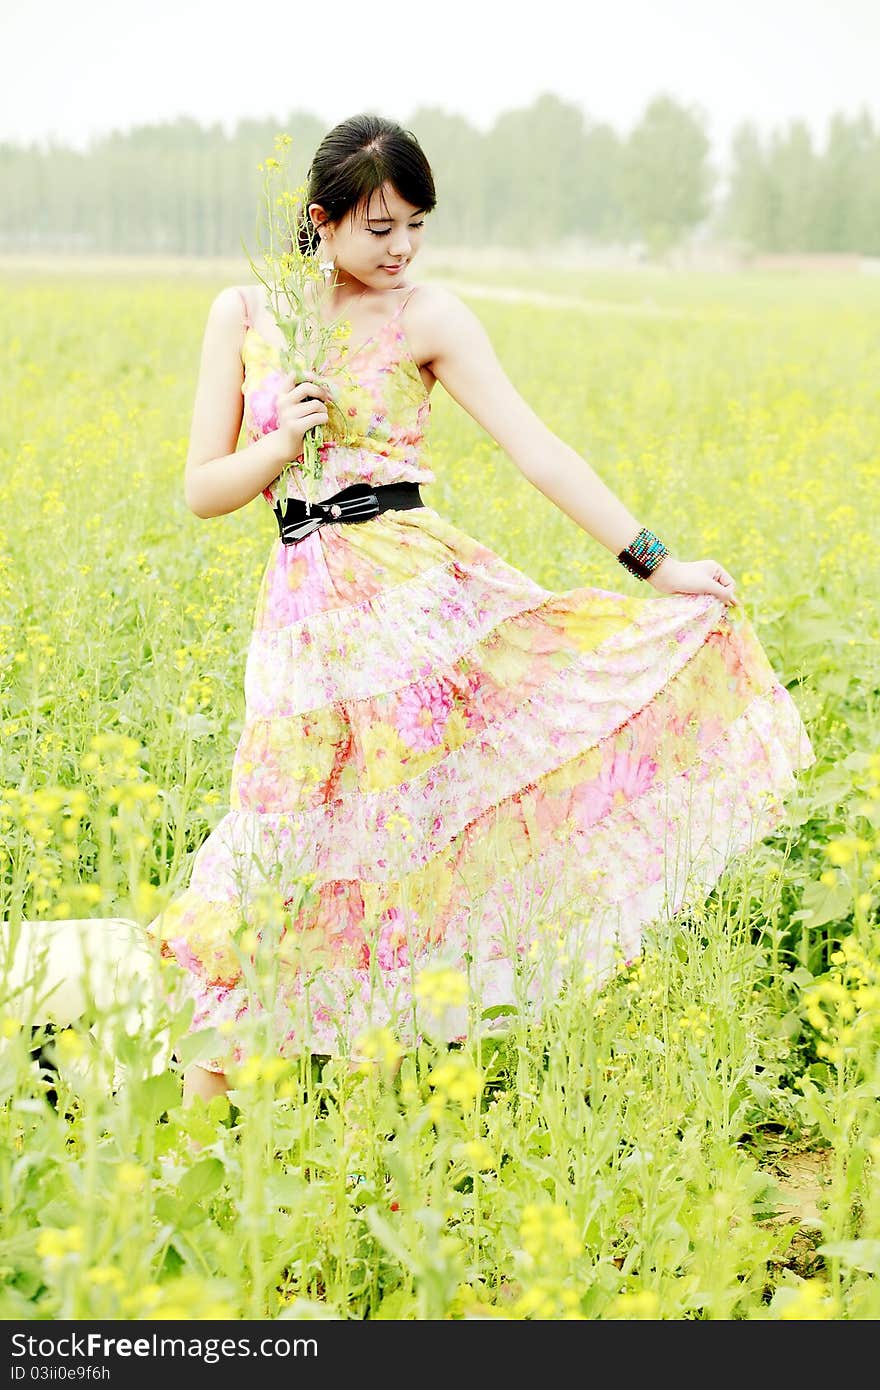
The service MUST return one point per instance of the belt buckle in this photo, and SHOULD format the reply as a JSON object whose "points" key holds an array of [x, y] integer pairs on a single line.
{"points": [[359, 508], [362, 507]]}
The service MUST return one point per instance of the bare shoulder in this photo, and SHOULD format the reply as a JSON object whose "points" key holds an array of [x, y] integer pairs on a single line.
{"points": [[435, 318], [434, 304], [227, 307], [223, 338]]}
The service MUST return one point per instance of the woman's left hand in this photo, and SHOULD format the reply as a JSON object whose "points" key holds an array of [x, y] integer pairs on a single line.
{"points": [[694, 577]]}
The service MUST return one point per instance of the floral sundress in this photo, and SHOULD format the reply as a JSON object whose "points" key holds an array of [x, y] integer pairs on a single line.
{"points": [[457, 793]]}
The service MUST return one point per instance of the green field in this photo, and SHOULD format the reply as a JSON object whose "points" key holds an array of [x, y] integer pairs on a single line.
{"points": [[700, 1140]]}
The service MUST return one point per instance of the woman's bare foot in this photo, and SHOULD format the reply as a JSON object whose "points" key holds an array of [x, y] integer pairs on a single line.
{"points": [[207, 1084]]}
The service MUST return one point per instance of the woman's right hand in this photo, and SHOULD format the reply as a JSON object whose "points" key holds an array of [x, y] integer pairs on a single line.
{"points": [[694, 577], [300, 406]]}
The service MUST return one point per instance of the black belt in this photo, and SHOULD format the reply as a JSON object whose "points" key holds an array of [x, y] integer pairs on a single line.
{"points": [[356, 503]]}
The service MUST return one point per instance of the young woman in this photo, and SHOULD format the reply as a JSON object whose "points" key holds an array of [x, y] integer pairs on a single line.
{"points": [[440, 757]]}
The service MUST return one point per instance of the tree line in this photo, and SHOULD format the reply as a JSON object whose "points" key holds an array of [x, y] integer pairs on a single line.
{"points": [[542, 176]]}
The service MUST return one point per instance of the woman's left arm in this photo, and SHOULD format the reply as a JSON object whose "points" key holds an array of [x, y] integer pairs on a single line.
{"points": [[464, 362]]}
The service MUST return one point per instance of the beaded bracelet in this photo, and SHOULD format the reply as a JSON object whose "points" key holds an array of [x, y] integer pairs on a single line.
{"points": [[642, 556]]}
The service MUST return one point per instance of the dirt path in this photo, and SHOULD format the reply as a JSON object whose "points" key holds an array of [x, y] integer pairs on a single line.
{"points": [[508, 294]]}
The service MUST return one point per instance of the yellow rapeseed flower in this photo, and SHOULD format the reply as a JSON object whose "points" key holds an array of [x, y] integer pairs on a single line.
{"points": [[842, 852], [441, 987], [547, 1299], [641, 1304], [102, 1275], [70, 1045], [537, 1302], [809, 1302], [378, 1045], [547, 1228], [53, 1243], [130, 1177], [456, 1078], [258, 1068], [480, 1155]]}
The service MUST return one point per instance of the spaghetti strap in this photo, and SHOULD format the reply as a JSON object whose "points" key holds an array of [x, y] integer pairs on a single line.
{"points": [[247, 313], [397, 312]]}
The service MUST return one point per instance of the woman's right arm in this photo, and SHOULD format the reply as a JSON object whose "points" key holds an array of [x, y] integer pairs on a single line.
{"points": [[218, 478]]}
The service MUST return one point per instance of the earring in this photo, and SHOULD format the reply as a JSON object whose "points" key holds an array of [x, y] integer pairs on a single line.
{"points": [[327, 267]]}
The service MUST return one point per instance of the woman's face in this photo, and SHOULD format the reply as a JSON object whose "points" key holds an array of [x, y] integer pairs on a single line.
{"points": [[385, 232]]}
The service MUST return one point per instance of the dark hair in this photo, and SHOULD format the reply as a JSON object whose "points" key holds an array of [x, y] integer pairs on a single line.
{"points": [[353, 160]]}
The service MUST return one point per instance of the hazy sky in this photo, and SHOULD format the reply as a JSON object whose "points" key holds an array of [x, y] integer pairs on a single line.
{"points": [[80, 68]]}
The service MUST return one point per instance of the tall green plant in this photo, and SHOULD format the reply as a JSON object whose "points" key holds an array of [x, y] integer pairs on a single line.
{"points": [[292, 279]]}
